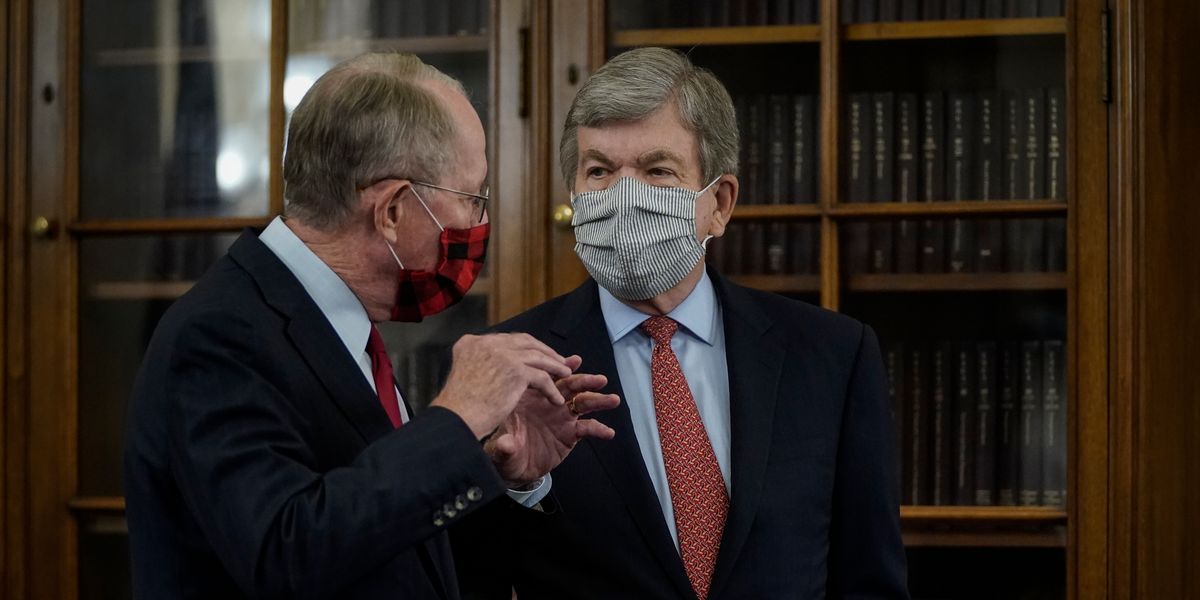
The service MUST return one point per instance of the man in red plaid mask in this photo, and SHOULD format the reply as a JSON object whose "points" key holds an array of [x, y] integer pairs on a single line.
{"points": [[269, 452]]}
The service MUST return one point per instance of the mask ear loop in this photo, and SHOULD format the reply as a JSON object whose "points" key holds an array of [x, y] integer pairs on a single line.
{"points": [[704, 242]]}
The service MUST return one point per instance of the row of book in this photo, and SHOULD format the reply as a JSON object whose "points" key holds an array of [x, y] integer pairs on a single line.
{"points": [[980, 423], [652, 14], [937, 146], [324, 20], [779, 139], [956, 246], [760, 248], [871, 11]]}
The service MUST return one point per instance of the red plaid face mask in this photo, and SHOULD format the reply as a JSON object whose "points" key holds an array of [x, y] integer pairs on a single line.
{"points": [[460, 258]]}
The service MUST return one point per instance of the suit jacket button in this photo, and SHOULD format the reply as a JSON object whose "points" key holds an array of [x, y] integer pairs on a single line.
{"points": [[475, 494], [438, 521], [460, 502], [449, 511]]}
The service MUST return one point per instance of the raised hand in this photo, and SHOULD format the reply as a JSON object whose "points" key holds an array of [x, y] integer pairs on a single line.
{"points": [[491, 373], [539, 434]]}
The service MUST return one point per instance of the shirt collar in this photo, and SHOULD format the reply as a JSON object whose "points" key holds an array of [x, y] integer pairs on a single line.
{"points": [[335, 299], [697, 314]]}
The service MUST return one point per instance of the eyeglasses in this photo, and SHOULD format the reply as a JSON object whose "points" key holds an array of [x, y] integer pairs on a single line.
{"points": [[478, 201]]}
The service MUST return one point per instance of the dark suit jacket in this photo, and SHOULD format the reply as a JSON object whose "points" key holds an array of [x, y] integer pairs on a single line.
{"points": [[259, 462], [814, 510]]}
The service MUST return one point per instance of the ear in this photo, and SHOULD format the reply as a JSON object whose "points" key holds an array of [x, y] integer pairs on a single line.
{"points": [[384, 201], [726, 191]]}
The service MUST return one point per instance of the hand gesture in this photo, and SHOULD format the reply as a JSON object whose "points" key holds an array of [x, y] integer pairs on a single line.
{"points": [[539, 434]]}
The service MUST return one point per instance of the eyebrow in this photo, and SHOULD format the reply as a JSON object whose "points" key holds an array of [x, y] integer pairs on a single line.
{"points": [[659, 155], [596, 155]]}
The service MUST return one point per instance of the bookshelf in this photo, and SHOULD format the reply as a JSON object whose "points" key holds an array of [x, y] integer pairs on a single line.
{"points": [[92, 93], [924, 305]]}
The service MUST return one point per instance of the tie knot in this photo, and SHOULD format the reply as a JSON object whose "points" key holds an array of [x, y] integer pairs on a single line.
{"points": [[375, 345], [661, 329]]}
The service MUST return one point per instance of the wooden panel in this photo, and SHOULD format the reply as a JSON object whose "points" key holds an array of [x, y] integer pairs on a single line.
{"points": [[983, 526], [51, 319], [1087, 306], [781, 284], [14, 387], [275, 109], [774, 211], [149, 226], [717, 36], [945, 282], [348, 48], [968, 207], [956, 29], [1160, 253], [832, 89]]}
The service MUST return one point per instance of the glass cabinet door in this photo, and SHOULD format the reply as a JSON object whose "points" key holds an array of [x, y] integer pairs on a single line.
{"points": [[453, 37]]}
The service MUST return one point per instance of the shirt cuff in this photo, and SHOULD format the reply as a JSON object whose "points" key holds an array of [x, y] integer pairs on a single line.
{"points": [[530, 498]]}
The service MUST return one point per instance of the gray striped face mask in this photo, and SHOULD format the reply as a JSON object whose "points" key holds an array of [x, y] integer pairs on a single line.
{"points": [[637, 240]]}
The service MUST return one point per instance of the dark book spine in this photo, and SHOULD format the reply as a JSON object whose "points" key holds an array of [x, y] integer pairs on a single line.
{"points": [[964, 425], [414, 18], [917, 430], [1033, 102], [989, 167], [1012, 8], [464, 19], [1056, 137], [438, 18], [781, 12], [754, 152], [882, 176], [802, 254], [1054, 425], [907, 179], [803, 155], [1014, 176], [868, 11], [1028, 8], [953, 9], [943, 419], [985, 424], [858, 179], [961, 234], [1056, 245], [893, 362], [972, 9], [756, 248], [1050, 8], [932, 10], [910, 10], [1031, 424], [889, 11], [778, 109], [760, 12], [848, 10], [714, 252], [776, 254], [933, 178], [804, 12], [1008, 441], [993, 9]]}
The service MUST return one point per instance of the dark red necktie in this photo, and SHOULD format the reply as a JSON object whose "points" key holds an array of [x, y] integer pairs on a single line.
{"points": [[697, 489], [381, 369]]}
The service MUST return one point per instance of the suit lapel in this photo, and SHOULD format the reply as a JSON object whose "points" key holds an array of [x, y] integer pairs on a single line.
{"points": [[317, 342], [755, 361], [313, 337], [580, 326]]}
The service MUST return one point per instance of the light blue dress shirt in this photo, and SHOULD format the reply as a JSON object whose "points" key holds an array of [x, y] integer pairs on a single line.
{"points": [[699, 345], [346, 314]]}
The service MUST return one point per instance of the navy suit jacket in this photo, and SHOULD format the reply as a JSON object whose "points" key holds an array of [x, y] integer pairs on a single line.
{"points": [[259, 462], [814, 509]]}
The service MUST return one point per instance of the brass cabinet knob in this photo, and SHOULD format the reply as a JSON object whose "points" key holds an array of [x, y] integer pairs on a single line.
{"points": [[562, 215], [43, 227]]}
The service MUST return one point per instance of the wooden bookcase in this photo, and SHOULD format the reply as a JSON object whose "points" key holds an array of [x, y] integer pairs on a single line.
{"points": [[76, 237]]}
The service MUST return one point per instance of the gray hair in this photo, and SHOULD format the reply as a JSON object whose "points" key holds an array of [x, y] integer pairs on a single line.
{"points": [[639, 82], [366, 119]]}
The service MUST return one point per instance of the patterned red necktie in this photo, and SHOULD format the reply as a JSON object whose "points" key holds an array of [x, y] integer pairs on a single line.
{"points": [[381, 370], [697, 489]]}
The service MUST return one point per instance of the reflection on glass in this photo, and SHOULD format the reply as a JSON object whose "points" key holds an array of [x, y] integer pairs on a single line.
{"points": [[126, 284], [174, 111]]}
